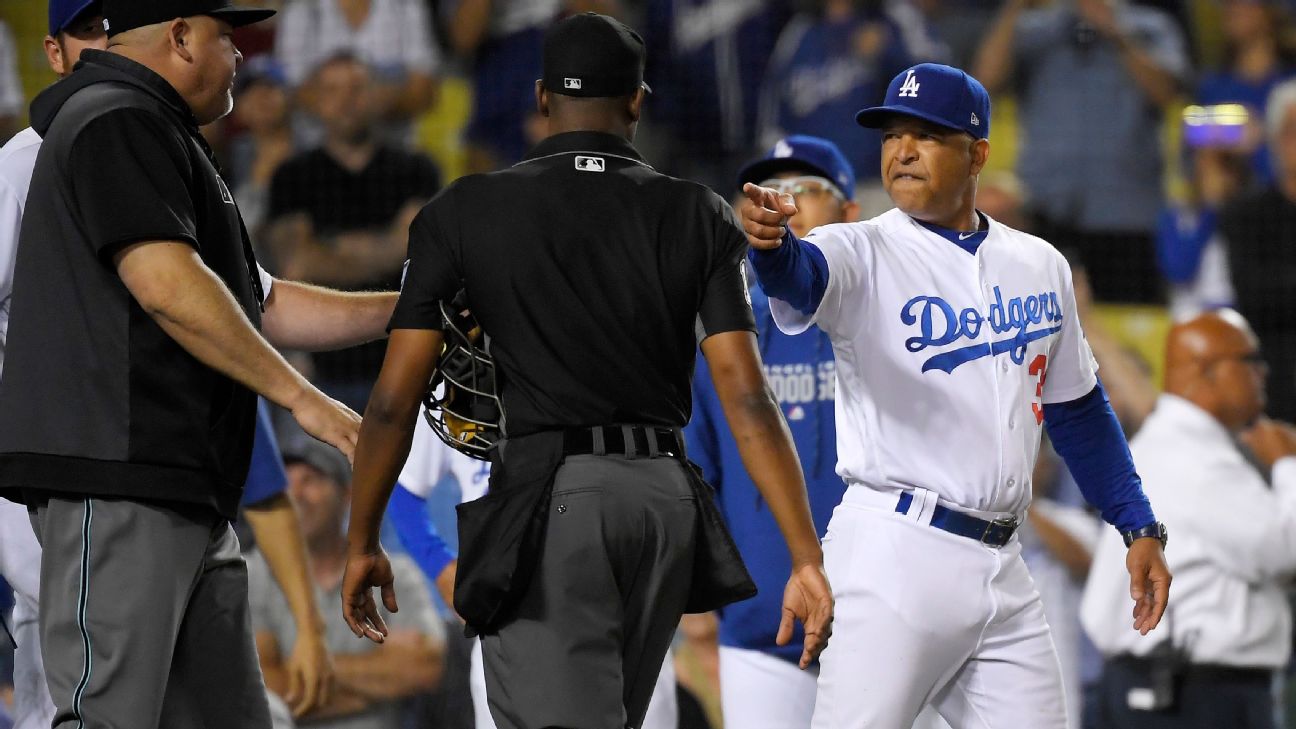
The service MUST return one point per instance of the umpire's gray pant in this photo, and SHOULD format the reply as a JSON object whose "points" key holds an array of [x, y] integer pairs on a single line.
{"points": [[589, 635], [144, 618]]}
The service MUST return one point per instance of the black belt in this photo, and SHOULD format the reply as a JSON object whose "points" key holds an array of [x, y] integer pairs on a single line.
{"points": [[1207, 672], [630, 441], [990, 533]]}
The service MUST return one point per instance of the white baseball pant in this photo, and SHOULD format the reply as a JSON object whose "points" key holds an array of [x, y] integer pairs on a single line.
{"points": [[20, 558], [928, 617], [759, 691]]}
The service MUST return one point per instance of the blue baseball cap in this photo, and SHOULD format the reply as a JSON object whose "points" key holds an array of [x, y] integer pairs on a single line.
{"points": [[800, 152], [940, 94], [63, 12]]}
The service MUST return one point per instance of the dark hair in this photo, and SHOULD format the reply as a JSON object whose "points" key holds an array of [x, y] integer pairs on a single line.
{"points": [[340, 57]]}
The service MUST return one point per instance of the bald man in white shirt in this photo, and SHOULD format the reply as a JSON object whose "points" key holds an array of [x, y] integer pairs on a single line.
{"points": [[1233, 552]]}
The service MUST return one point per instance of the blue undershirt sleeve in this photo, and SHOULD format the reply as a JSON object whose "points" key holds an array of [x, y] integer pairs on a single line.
{"points": [[1086, 433], [795, 272], [408, 514]]}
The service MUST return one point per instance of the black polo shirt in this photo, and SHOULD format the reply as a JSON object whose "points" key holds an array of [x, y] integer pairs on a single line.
{"points": [[339, 201], [95, 398], [594, 276]]}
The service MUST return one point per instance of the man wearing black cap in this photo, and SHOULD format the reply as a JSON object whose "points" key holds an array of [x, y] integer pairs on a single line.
{"points": [[594, 292], [127, 404]]}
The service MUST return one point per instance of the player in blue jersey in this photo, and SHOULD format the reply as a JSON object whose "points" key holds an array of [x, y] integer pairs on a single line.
{"points": [[760, 684]]}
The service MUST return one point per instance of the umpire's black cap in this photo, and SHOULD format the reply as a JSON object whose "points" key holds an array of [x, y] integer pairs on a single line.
{"points": [[123, 15], [593, 55]]}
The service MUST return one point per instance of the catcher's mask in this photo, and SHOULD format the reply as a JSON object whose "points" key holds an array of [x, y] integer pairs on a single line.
{"points": [[462, 406]]}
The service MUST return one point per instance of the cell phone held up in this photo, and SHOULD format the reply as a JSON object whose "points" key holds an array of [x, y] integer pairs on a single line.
{"points": [[1216, 126]]}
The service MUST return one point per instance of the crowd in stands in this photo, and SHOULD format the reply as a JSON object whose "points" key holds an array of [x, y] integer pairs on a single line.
{"points": [[1154, 143]]}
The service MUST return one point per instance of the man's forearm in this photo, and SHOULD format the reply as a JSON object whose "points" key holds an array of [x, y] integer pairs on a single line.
{"points": [[304, 257], [1086, 433], [763, 439], [406, 663], [1159, 85], [195, 308], [310, 318], [770, 457], [388, 429], [994, 60], [278, 534]]}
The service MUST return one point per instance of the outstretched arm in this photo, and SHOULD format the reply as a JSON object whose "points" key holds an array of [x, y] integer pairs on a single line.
{"points": [[194, 307], [311, 318]]}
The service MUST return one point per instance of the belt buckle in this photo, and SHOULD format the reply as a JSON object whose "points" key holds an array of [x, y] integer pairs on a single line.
{"points": [[1008, 523]]}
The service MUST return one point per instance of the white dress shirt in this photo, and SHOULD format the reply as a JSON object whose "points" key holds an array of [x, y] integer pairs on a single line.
{"points": [[1232, 547]]}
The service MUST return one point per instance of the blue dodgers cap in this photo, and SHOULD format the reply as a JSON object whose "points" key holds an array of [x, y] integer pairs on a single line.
{"points": [[63, 12], [800, 152], [940, 94]]}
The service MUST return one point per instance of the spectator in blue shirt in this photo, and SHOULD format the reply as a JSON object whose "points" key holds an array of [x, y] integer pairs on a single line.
{"points": [[707, 60], [1259, 55], [827, 65], [1191, 252], [760, 684], [502, 41]]}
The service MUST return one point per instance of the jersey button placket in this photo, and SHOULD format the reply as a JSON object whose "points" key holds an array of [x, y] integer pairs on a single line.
{"points": [[986, 297]]}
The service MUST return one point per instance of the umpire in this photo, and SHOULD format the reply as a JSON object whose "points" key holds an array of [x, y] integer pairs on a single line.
{"points": [[594, 291], [127, 403]]}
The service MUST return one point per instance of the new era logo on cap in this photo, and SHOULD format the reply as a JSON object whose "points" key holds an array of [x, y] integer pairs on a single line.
{"points": [[571, 83], [976, 121]]}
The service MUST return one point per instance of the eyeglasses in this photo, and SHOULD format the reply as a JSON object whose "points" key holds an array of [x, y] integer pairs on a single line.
{"points": [[811, 186], [1254, 358]]}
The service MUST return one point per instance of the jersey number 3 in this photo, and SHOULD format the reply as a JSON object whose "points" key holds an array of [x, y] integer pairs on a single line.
{"points": [[1038, 367]]}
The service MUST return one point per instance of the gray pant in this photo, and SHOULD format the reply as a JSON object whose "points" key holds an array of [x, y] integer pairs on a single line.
{"points": [[589, 636], [144, 618]]}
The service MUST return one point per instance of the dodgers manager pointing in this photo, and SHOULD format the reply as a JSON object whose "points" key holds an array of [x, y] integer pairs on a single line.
{"points": [[956, 340]]}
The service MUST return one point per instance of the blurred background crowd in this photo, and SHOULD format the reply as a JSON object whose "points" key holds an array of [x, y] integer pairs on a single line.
{"points": [[1152, 141]]}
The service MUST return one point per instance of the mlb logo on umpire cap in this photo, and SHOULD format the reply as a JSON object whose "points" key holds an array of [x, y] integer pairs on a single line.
{"points": [[950, 98], [571, 83]]}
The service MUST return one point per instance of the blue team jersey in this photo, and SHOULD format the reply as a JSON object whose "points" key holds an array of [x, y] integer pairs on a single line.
{"points": [[266, 475], [823, 72], [801, 372]]}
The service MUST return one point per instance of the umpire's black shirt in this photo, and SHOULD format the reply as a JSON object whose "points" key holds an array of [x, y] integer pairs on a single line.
{"points": [[95, 398], [594, 276]]}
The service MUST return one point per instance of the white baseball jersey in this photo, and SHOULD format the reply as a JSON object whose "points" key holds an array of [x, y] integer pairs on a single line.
{"points": [[430, 460], [945, 358]]}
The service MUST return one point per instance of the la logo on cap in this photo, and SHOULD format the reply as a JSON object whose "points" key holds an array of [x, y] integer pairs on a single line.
{"points": [[571, 83], [910, 86]]}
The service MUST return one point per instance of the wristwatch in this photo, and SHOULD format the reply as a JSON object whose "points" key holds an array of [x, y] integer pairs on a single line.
{"points": [[1155, 529]]}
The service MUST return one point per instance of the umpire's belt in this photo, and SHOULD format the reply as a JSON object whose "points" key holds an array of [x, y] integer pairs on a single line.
{"points": [[990, 533], [628, 441]]}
